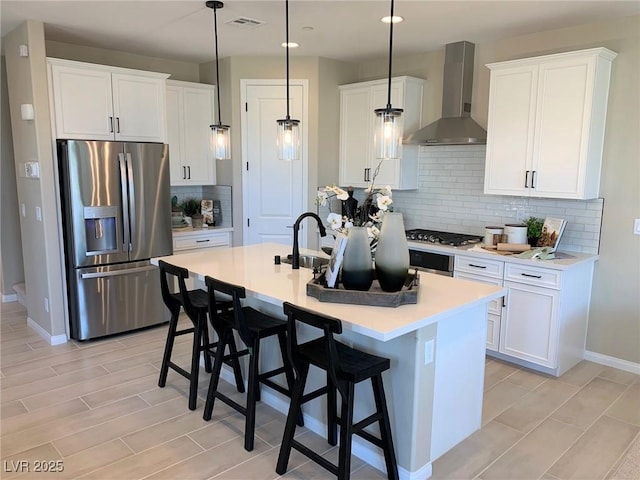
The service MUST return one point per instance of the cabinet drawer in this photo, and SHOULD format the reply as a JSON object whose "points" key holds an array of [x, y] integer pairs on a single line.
{"points": [[495, 306], [202, 240], [479, 266], [542, 277]]}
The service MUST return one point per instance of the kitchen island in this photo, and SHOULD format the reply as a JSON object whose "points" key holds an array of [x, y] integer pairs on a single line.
{"points": [[436, 346]]}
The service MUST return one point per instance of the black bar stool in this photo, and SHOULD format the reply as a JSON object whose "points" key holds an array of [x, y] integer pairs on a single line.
{"points": [[252, 326], [345, 366], [196, 305]]}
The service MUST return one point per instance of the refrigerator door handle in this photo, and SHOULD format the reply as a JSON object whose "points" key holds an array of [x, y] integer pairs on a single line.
{"points": [[125, 203], [132, 199], [118, 273]]}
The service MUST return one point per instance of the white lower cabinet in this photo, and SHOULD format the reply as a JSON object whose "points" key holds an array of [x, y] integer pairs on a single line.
{"points": [[542, 322], [485, 271], [197, 239]]}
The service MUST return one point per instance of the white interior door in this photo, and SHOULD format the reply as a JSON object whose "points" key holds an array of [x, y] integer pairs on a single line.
{"points": [[274, 191]]}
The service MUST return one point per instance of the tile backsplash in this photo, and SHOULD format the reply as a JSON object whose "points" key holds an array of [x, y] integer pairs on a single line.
{"points": [[209, 192], [450, 197]]}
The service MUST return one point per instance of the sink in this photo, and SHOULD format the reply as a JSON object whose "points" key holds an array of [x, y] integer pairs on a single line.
{"points": [[307, 261]]}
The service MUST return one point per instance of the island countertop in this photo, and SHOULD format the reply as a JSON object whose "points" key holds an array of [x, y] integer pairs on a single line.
{"points": [[253, 267]]}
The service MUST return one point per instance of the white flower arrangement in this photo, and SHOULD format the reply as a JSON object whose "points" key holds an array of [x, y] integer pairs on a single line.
{"points": [[369, 214]]}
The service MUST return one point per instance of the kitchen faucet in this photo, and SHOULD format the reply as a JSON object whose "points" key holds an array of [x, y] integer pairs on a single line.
{"points": [[295, 257]]}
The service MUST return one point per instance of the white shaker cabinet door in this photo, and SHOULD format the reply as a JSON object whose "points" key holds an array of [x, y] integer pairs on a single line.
{"points": [[510, 131], [175, 136], [198, 116], [529, 329], [82, 102], [139, 108], [356, 136]]}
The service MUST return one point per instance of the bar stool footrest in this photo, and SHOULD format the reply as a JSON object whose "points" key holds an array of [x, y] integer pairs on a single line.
{"points": [[315, 457]]}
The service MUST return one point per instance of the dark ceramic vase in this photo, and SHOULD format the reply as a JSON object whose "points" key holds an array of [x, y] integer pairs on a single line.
{"points": [[392, 253], [357, 265]]}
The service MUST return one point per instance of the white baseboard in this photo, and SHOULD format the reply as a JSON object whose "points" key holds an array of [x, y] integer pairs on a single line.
{"points": [[51, 339], [612, 362], [9, 298]]}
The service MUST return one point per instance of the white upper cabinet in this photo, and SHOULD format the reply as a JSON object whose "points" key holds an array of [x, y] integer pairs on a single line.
{"points": [[357, 119], [546, 125], [97, 102], [190, 112]]}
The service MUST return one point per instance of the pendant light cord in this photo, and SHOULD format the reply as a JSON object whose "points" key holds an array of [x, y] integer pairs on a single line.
{"points": [[286, 6], [390, 57], [215, 30]]}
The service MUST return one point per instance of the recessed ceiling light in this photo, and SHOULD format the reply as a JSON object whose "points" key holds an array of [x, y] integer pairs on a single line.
{"points": [[387, 19], [291, 44]]}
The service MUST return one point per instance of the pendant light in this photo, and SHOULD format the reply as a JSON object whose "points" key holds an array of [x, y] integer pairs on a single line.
{"points": [[220, 134], [389, 120], [288, 128]]}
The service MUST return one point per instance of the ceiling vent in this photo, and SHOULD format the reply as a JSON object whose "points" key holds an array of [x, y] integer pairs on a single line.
{"points": [[245, 22]]}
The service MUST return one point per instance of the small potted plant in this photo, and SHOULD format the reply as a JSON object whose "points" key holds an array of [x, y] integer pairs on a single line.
{"points": [[191, 208], [534, 229]]}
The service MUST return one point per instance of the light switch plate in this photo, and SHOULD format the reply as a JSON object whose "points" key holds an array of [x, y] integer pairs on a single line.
{"points": [[636, 226], [32, 170]]}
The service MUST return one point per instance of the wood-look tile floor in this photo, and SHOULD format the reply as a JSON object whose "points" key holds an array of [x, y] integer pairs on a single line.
{"points": [[95, 409]]}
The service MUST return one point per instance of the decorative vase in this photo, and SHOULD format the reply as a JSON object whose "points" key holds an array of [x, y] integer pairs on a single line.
{"points": [[392, 253], [533, 241], [357, 265]]}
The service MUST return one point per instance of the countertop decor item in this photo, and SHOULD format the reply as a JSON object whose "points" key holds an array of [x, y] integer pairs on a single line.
{"points": [[392, 253], [357, 264], [219, 133], [375, 296], [190, 206], [534, 229], [288, 128]]}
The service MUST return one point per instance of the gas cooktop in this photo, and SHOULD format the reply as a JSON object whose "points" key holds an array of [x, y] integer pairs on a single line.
{"points": [[443, 238]]}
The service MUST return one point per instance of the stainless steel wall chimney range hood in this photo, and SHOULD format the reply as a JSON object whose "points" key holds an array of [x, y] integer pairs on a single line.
{"points": [[456, 127]]}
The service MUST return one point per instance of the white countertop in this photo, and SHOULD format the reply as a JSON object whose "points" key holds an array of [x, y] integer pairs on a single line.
{"points": [[253, 267], [563, 260]]}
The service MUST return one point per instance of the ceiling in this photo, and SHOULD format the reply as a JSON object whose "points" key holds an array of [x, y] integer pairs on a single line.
{"points": [[343, 30]]}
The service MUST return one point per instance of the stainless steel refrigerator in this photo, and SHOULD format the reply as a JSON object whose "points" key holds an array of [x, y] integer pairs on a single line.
{"points": [[116, 213]]}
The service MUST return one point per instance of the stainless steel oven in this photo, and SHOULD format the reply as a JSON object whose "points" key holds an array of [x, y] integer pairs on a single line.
{"points": [[440, 263]]}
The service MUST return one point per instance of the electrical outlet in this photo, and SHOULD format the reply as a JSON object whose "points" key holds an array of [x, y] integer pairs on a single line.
{"points": [[636, 226], [38, 214], [23, 209], [46, 304], [428, 351]]}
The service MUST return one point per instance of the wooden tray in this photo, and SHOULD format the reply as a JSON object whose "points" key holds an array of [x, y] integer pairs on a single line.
{"points": [[375, 296]]}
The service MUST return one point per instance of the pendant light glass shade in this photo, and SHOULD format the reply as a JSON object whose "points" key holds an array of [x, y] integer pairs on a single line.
{"points": [[288, 139], [388, 136], [288, 142], [221, 142], [220, 134], [389, 121]]}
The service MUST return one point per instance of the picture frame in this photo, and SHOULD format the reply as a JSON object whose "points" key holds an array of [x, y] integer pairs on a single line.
{"points": [[336, 259], [552, 231]]}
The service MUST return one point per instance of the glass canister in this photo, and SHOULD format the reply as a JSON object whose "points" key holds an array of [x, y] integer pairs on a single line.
{"points": [[357, 265], [392, 253]]}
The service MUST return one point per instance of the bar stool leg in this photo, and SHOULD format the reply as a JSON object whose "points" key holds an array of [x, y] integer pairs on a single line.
{"points": [[205, 341], [288, 370], [385, 428], [223, 338], [346, 433], [332, 414], [195, 366], [237, 373], [253, 395], [168, 348], [290, 426]]}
